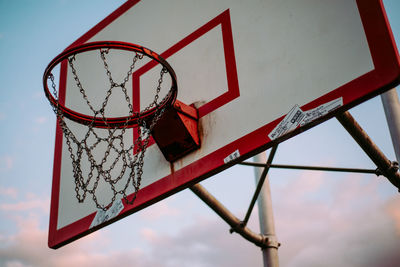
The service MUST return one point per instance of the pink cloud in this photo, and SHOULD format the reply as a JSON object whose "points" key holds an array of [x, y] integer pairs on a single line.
{"points": [[350, 225], [149, 234], [158, 210], [28, 247], [8, 192], [393, 210], [344, 226], [6, 162], [41, 120], [204, 243], [307, 182], [30, 203]]}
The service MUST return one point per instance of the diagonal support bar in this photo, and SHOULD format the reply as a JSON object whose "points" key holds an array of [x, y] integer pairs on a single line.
{"points": [[386, 167], [236, 225], [260, 184]]}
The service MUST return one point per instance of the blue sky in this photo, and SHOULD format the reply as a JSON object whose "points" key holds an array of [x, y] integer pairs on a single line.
{"points": [[351, 218]]}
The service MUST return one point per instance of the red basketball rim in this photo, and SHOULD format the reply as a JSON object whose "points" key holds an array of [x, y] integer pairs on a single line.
{"points": [[109, 122]]}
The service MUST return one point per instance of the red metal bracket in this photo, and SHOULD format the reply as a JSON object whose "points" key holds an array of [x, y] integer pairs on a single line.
{"points": [[176, 133]]}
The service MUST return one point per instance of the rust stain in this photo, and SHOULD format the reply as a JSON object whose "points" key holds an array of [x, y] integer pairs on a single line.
{"points": [[200, 122]]}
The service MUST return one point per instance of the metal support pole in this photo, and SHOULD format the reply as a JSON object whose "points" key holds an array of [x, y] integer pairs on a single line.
{"points": [[391, 105], [386, 167], [227, 216], [266, 218]]}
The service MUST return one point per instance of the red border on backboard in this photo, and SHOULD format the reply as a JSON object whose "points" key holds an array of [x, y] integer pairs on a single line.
{"points": [[385, 76], [230, 63], [230, 66]]}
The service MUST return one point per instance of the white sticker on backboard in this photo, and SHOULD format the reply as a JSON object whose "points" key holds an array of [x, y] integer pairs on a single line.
{"points": [[297, 117], [322, 110], [232, 156], [103, 216], [289, 123]]}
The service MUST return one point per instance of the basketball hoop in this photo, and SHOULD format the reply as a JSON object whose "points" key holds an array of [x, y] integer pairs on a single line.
{"points": [[130, 158], [104, 46]]}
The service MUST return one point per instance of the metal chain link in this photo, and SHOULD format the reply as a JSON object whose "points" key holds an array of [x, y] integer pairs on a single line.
{"points": [[132, 157]]}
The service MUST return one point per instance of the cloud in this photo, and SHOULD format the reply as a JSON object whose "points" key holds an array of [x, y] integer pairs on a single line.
{"points": [[308, 182], [31, 203], [352, 225], [28, 203], [158, 210], [6, 162], [393, 210], [41, 120], [148, 234], [8, 192], [38, 94], [28, 247], [347, 227], [205, 243]]}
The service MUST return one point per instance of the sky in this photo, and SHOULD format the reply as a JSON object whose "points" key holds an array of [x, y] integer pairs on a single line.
{"points": [[321, 218]]}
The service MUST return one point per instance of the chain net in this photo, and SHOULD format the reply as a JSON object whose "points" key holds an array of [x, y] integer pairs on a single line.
{"points": [[121, 166]]}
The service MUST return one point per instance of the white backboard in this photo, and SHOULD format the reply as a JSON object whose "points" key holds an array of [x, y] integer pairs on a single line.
{"points": [[259, 72]]}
